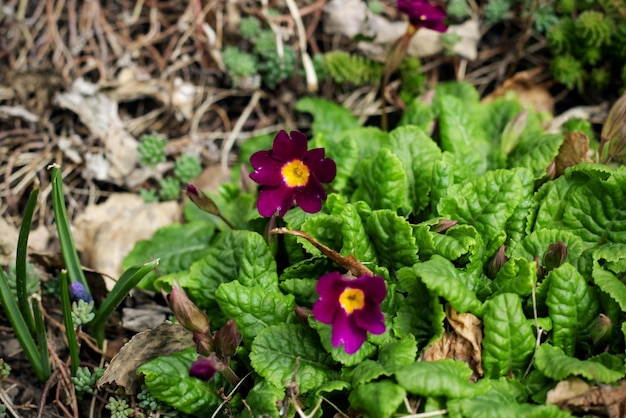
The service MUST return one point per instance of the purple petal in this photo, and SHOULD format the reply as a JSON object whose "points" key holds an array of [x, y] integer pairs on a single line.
{"points": [[324, 310], [286, 148], [274, 199], [370, 318], [268, 174], [374, 287], [347, 332], [324, 169], [423, 14], [203, 368], [330, 286], [261, 158], [310, 197]]}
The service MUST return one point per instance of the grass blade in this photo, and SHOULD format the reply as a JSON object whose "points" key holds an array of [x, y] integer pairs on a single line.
{"points": [[125, 284], [42, 336], [21, 329], [21, 279], [70, 256]]}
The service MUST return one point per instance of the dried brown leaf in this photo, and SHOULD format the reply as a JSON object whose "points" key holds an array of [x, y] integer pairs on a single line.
{"points": [[469, 327], [575, 395], [165, 339], [528, 91], [573, 151]]}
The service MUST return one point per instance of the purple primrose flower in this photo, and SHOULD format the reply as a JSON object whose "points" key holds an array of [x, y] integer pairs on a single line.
{"points": [[289, 172], [352, 307], [422, 14]]}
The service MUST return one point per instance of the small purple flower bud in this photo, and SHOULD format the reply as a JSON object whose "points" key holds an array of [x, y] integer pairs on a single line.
{"points": [[555, 256], [80, 292], [186, 312], [303, 314], [204, 368], [614, 132], [497, 262], [541, 274], [201, 200], [602, 328], [227, 339], [443, 226]]}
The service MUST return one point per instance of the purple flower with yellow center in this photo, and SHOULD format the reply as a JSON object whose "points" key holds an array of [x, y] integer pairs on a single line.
{"points": [[352, 307], [288, 173], [422, 14]]}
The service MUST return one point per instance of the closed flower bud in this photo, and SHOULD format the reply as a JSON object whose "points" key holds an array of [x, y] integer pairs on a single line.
{"points": [[204, 368], [555, 256], [497, 262], [227, 339], [80, 292], [201, 200], [303, 314], [186, 312], [614, 132], [601, 329], [512, 132], [443, 226]]}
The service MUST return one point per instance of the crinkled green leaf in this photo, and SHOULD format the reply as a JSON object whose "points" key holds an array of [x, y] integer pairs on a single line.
{"points": [[241, 255], [315, 398], [441, 277], [382, 182], [460, 241], [275, 351], [312, 267], [536, 244], [254, 308], [572, 304], [496, 114], [517, 275], [501, 404], [517, 225], [177, 246], [604, 258], [447, 378], [356, 242], [442, 179], [302, 289], [328, 118], [338, 353], [324, 228], [418, 153], [417, 113], [420, 314], [365, 372], [536, 152], [461, 90], [509, 340], [167, 378], [462, 135], [236, 206], [369, 140], [263, 399], [344, 150], [485, 203], [552, 362], [596, 213], [378, 399], [398, 353], [393, 239]]}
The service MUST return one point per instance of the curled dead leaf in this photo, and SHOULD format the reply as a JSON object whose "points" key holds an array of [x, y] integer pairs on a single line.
{"points": [[576, 395], [573, 151]]}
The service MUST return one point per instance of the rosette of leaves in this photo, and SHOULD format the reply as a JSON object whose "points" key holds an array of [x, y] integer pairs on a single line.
{"points": [[392, 193]]}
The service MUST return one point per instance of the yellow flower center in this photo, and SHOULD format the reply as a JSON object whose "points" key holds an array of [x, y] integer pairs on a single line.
{"points": [[352, 299], [295, 173], [423, 17]]}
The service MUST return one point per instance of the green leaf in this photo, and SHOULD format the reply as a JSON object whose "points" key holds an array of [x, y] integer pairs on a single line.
{"points": [[378, 399], [167, 378], [176, 246], [365, 372], [312, 267], [398, 353], [603, 258], [462, 90], [509, 341], [458, 241], [263, 400], [254, 308], [417, 113], [324, 228], [485, 203], [345, 152], [441, 277], [356, 242], [241, 255], [382, 182], [517, 275], [442, 179], [328, 118], [275, 352], [536, 244], [496, 114], [393, 239], [552, 362], [461, 134], [502, 404], [420, 314], [302, 289], [536, 152], [517, 225], [572, 304], [447, 377], [418, 153]]}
